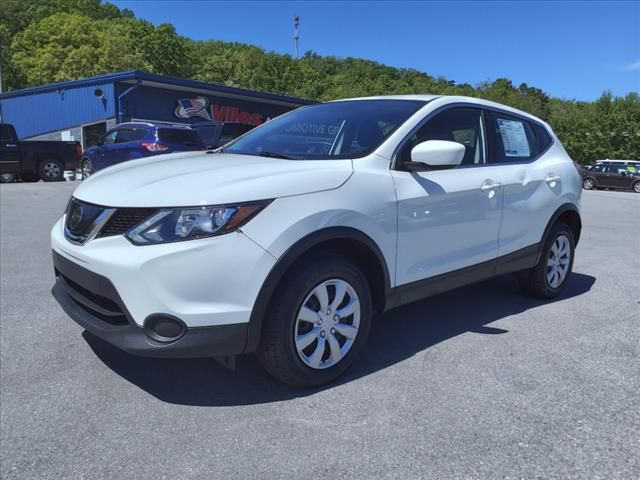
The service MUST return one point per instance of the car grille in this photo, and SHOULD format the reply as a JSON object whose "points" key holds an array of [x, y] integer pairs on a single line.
{"points": [[82, 219], [85, 221], [123, 220]]}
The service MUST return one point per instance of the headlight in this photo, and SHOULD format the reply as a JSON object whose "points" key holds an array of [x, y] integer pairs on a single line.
{"points": [[177, 224]]}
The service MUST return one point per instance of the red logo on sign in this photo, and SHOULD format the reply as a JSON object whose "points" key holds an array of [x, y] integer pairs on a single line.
{"points": [[225, 113]]}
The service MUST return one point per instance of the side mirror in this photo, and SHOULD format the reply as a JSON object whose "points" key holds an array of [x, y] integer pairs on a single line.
{"points": [[436, 154]]}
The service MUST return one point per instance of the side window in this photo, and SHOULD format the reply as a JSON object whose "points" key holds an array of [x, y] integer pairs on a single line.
{"points": [[109, 137], [130, 135], [542, 136], [461, 125], [616, 169], [6, 133], [596, 168], [511, 139]]}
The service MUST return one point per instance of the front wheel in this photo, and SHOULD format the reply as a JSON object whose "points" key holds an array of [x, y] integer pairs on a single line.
{"points": [[588, 183], [7, 177], [549, 277], [318, 322], [51, 170]]}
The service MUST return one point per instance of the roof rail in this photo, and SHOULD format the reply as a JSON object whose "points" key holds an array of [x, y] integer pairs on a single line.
{"points": [[136, 123]]}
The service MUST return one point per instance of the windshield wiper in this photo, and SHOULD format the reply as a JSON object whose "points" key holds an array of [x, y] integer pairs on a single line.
{"points": [[276, 155]]}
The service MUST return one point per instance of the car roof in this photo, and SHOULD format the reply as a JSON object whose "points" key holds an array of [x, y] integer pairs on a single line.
{"points": [[153, 125], [449, 99]]}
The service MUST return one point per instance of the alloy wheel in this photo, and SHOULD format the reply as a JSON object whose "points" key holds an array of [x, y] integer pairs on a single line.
{"points": [[636, 187], [558, 261], [588, 184], [51, 170], [327, 324]]}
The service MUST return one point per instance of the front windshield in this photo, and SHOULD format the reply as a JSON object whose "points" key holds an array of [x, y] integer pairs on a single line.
{"points": [[348, 129]]}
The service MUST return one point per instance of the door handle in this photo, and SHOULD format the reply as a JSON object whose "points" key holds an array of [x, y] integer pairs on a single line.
{"points": [[489, 185], [11, 145], [552, 179]]}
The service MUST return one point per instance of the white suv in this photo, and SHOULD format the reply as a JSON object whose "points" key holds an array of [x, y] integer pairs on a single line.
{"points": [[288, 240]]}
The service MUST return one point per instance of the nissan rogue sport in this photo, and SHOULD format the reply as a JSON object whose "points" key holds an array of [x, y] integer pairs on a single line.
{"points": [[288, 240]]}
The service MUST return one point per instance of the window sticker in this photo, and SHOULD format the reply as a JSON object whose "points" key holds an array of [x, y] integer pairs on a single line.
{"points": [[514, 138]]}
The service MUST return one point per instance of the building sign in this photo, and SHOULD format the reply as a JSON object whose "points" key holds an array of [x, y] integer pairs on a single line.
{"points": [[193, 107], [197, 107]]}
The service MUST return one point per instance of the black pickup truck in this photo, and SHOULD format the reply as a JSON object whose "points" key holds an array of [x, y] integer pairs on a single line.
{"points": [[33, 160]]}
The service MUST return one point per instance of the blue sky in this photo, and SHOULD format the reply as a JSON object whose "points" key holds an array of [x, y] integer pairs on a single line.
{"points": [[573, 49]]}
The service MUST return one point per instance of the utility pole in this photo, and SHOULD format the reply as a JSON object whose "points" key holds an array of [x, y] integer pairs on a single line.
{"points": [[296, 22]]}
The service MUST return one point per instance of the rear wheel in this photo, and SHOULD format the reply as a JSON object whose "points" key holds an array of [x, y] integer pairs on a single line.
{"points": [[636, 187], [549, 277], [51, 170], [318, 322], [588, 183]]}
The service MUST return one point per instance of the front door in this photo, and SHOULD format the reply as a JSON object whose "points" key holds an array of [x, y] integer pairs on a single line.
{"points": [[448, 219], [9, 150]]}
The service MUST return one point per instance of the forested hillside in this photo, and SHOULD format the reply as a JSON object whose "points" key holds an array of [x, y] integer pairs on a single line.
{"points": [[43, 41]]}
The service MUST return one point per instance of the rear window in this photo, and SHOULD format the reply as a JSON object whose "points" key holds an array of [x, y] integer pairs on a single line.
{"points": [[188, 138]]}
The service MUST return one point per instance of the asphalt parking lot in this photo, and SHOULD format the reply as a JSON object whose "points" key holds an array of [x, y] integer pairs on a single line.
{"points": [[480, 382]]}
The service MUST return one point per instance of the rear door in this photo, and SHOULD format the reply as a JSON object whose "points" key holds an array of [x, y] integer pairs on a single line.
{"points": [[618, 176], [531, 168], [9, 150]]}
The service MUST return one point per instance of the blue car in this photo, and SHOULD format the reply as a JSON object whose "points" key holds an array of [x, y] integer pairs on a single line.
{"points": [[132, 140]]}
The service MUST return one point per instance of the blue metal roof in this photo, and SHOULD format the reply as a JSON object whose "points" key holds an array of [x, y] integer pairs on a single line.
{"points": [[134, 75]]}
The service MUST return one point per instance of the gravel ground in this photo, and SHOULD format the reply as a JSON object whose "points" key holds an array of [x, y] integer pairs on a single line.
{"points": [[480, 382]]}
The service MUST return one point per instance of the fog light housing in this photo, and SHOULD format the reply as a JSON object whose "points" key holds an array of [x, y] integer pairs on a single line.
{"points": [[164, 328]]}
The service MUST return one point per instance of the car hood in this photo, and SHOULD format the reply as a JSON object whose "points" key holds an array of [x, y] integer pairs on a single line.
{"points": [[187, 179]]}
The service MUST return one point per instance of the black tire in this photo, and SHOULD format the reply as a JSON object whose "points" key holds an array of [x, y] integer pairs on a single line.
{"points": [[86, 168], [636, 187], [7, 177], [51, 170], [277, 349], [535, 281], [589, 183]]}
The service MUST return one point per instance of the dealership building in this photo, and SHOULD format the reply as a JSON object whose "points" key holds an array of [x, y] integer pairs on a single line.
{"points": [[83, 110]]}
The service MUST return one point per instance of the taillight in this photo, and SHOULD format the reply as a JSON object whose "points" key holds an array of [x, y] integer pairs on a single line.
{"points": [[78, 150], [155, 147]]}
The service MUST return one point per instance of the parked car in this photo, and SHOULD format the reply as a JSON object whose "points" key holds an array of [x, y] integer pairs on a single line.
{"points": [[267, 247], [128, 141], [33, 160], [617, 175], [215, 134]]}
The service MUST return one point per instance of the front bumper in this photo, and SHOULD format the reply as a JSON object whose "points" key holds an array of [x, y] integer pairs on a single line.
{"points": [[114, 289], [93, 302]]}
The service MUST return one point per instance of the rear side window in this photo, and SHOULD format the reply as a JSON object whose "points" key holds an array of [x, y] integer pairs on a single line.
{"points": [[512, 139], [188, 138], [131, 135], [542, 136]]}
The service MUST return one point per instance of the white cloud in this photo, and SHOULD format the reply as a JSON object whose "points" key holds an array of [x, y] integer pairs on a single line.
{"points": [[633, 65]]}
